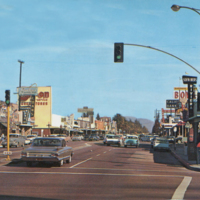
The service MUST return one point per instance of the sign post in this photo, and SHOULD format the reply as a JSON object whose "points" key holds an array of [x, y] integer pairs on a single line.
{"points": [[8, 132]]}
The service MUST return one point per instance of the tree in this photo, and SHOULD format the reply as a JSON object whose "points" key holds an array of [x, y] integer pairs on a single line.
{"points": [[98, 117]]}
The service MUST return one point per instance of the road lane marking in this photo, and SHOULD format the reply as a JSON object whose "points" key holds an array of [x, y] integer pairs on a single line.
{"points": [[181, 189], [94, 174], [138, 170], [98, 155], [104, 152], [80, 163]]}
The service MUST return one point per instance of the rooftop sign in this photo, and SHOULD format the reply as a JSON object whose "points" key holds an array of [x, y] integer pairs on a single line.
{"points": [[31, 90], [189, 79]]}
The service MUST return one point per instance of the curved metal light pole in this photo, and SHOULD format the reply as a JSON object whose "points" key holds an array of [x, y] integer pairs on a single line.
{"points": [[177, 8], [149, 47]]}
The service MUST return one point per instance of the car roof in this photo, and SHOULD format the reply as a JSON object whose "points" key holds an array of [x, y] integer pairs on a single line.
{"points": [[49, 138]]}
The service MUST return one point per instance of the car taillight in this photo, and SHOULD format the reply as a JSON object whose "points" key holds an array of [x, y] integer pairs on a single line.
{"points": [[23, 154]]}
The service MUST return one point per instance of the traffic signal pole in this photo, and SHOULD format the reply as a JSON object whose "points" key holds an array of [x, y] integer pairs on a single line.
{"points": [[8, 132]]}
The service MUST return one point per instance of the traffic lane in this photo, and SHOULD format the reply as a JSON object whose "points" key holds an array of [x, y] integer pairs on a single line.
{"points": [[91, 172], [100, 157], [16, 152], [129, 158], [81, 152], [88, 186]]}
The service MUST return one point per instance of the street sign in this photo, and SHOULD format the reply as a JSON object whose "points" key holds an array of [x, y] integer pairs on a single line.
{"points": [[7, 153], [31, 90], [172, 103]]}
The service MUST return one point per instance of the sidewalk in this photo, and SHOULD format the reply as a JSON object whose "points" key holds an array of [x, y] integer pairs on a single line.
{"points": [[179, 154]]}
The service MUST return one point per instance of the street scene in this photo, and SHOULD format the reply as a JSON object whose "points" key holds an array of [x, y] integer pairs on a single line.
{"points": [[99, 100], [98, 171]]}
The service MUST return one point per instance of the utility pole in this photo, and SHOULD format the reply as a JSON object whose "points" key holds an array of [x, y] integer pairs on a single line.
{"points": [[20, 77]]}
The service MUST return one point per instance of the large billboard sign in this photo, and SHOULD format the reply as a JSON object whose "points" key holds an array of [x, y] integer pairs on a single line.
{"points": [[39, 106]]}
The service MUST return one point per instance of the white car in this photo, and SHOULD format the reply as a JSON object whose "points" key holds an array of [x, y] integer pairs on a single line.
{"points": [[161, 144], [29, 139]]}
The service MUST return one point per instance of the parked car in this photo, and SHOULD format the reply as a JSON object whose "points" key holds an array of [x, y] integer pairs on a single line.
{"points": [[171, 139], [15, 140], [76, 138], [152, 141], [161, 143], [131, 140], [179, 139], [64, 136], [101, 137], [86, 137], [47, 150], [30, 138], [93, 138]]}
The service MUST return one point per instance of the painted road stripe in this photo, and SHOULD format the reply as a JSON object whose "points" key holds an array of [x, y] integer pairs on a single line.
{"points": [[93, 174], [98, 155], [181, 189], [104, 152], [138, 170], [80, 162]]}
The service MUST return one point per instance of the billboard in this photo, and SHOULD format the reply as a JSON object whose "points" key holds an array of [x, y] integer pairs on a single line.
{"points": [[40, 107]]}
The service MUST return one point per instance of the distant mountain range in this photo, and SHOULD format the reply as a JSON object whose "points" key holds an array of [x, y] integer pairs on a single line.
{"points": [[145, 122]]}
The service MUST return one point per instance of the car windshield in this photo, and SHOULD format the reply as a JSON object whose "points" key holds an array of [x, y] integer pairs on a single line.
{"points": [[47, 142], [131, 137], [110, 136]]}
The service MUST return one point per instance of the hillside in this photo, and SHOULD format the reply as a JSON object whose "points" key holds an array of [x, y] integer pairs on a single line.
{"points": [[145, 122]]}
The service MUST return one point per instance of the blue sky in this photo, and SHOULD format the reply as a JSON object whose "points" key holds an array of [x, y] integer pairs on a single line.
{"points": [[68, 44]]}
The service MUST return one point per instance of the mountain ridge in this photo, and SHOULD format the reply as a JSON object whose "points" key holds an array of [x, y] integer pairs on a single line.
{"points": [[144, 122]]}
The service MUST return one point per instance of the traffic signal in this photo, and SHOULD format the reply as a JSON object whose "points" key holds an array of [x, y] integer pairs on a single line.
{"points": [[7, 97], [118, 52]]}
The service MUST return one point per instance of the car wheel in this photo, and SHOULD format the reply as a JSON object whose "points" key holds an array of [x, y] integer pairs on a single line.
{"points": [[29, 163], [125, 145], [69, 160], [60, 163]]}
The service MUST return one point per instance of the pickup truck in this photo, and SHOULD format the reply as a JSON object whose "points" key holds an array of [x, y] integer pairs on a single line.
{"points": [[112, 139]]}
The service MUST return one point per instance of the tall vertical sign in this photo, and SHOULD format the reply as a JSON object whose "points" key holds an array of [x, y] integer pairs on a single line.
{"points": [[190, 81], [192, 136]]}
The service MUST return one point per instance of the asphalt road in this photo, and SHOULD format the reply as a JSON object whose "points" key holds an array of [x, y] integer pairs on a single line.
{"points": [[100, 172]]}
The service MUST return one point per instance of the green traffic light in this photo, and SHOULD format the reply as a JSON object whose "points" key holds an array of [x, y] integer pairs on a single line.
{"points": [[119, 57]]}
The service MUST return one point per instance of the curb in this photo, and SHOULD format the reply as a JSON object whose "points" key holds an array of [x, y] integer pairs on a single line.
{"points": [[184, 163]]}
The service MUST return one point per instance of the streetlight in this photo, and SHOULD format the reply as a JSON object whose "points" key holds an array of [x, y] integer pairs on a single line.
{"points": [[177, 8], [21, 62]]}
